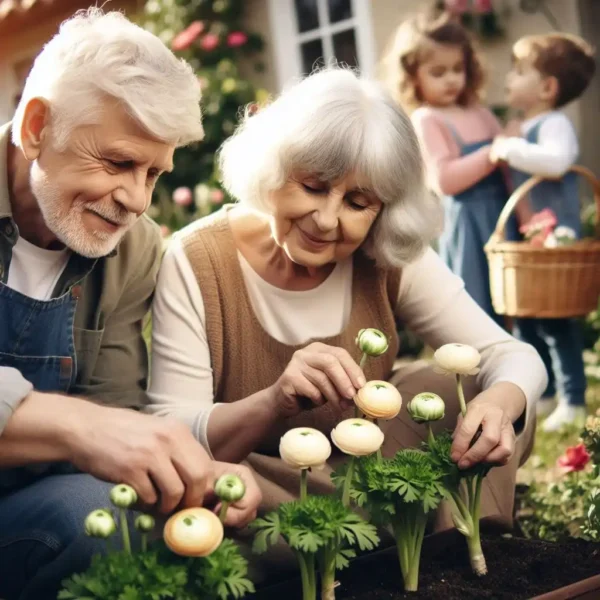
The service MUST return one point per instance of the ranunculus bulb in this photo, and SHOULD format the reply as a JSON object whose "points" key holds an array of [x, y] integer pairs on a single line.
{"points": [[372, 342], [357, 437], [123, 496], [379, 400], [193, 532], [100, 524], [426, 407], [304, 448], [458, 359], [144, 523], [230, 488]]}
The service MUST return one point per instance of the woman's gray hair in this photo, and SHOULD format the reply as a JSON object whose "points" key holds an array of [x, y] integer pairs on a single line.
{"points": [[97, 55], [332, 123]]}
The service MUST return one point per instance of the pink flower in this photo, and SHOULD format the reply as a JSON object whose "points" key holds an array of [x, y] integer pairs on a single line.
{"points": [[183, 40], [236, 39], [574, 459], [457, 7], [542, 223], [209, 42], [483, 6], [165, 231], [217, 196], [182, 196]]}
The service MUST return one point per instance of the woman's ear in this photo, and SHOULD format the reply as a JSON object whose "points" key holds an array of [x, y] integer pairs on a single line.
{"points": [[34, 127]]}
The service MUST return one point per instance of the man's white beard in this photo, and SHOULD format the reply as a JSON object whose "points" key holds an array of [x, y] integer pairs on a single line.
{"points": [[66, 222]]}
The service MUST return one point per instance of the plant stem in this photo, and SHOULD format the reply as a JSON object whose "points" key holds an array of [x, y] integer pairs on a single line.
{"points": [[144, 542], [223, 511], [409, 531], [348, 482], [430, 437], [363, 360], [461, 395], [309, 591], [476, 555], [125, 530], [303, 484], [328, 572]]}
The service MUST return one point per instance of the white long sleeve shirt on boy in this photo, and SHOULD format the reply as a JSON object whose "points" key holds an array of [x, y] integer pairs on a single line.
{"points": [[556, 150]]}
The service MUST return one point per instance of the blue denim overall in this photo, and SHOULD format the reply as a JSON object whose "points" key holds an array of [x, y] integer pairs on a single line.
{"points": [[469, 220], [558, 341], [42, 508]]}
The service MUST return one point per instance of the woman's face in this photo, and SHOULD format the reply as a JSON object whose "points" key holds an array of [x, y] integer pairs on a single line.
{"points": [[318, 222], [442, 78]]}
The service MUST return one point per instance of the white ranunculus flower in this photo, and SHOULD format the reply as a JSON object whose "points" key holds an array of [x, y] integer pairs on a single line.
{"points": [[357, 437], [457, 359], [304, 448], [379, 400], [193, 532], [426, 407]]}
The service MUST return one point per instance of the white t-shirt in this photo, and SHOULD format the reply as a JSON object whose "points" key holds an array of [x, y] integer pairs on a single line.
{"points": [[35, 271], [432, 303], [556, 149]]}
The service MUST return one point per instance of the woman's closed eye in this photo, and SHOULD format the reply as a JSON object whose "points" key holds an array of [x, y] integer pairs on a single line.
{"points": [[314, 188]]}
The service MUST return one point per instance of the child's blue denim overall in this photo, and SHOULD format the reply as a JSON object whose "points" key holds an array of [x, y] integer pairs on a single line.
{"points": [[558, 341], [469, 220], [42, 510]]}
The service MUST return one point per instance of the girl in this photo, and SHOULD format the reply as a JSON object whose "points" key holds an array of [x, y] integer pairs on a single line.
{"points": [[437, 76]]}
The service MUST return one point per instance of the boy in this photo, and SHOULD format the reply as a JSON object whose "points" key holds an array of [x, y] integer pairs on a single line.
{"points": [[550, 71]]}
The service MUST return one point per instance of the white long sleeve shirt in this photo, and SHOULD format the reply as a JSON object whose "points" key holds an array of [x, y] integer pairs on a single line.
{"points": [[432, 303], [556, 149]]}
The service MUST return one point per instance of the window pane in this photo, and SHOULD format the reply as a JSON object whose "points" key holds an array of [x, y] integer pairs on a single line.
{"points": [[339, 10], [307, 15], [311, 53], [344, 48]]}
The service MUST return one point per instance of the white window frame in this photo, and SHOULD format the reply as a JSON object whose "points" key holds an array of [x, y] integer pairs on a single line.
{"points": [[287, 39]]}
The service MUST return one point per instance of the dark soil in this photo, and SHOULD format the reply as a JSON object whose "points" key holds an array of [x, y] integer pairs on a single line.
{"points": [[519, 569]]}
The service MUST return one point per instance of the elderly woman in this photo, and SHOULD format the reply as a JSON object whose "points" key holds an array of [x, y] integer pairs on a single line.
{"points": [[257, 307]]}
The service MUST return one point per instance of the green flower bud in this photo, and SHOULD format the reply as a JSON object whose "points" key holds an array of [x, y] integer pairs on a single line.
{"points": [[230, 488], [100, 523], [123, 496], [372, 342], [144, 523], [426, 407]]}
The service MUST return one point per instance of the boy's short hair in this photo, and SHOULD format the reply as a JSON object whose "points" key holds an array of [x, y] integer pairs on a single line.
{"points": [[567, 57]]}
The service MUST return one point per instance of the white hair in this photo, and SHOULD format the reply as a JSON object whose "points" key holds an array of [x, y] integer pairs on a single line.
{"points": [[332, 123], [97, 55]]}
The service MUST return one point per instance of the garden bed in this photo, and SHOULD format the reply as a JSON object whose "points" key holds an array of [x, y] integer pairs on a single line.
{"points": [[520, 569]]}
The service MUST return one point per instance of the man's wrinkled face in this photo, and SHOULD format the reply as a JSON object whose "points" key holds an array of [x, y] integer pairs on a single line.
{"points": [[93, 191]]}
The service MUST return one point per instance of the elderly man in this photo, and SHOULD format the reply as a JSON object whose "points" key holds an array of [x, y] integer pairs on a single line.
{"points": [[102, 112]]}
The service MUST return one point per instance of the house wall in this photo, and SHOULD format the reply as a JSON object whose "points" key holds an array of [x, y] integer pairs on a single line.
{"points": [[19, 47]]}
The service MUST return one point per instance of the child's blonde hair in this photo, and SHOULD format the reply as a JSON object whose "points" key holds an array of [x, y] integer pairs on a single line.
{"points": [[411, 47], [568, 58]]}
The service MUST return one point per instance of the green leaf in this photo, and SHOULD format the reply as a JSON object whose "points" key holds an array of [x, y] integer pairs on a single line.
{"points": [[269, 530], [343, 557]]}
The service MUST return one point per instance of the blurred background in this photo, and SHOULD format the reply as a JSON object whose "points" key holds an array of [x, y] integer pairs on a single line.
{"points": [[244, 50]]}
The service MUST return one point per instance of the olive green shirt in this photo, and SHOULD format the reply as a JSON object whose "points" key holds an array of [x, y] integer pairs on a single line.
{"points": [[114, 295]]}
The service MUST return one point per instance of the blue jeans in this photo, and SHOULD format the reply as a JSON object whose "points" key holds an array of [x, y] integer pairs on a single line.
{"points": [[559, 342], [42, 538]]}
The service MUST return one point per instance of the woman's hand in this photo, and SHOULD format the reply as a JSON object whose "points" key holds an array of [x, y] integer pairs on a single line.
{"points": [[495, 411], [319, 373]]}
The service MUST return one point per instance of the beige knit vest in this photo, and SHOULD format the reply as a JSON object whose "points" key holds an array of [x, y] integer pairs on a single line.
{"points": [[244, 357]]}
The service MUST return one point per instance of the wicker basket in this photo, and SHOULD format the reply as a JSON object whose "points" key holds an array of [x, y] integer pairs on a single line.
{"points": [[558, 282]]}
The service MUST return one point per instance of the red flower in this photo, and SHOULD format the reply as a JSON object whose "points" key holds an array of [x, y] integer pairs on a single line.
{"points": [[483, 6], [574, 459], [236, 39], [209, 42], [187, 37]]}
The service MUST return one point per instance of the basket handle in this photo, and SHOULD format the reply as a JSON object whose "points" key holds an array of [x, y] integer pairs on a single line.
{"points": [[527, 186]]}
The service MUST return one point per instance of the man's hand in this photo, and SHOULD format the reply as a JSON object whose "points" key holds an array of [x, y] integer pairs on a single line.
{"points": [[158, 457]]}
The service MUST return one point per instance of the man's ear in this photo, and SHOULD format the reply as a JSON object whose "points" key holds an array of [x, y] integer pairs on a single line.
{"points": [[34, 128], [550, 90]]}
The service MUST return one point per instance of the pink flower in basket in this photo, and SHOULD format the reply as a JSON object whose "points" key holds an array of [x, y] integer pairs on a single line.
{"points": [[539, 227]]}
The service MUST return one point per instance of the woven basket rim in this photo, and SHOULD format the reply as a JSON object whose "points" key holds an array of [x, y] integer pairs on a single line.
{"points": [[586, 245]]}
